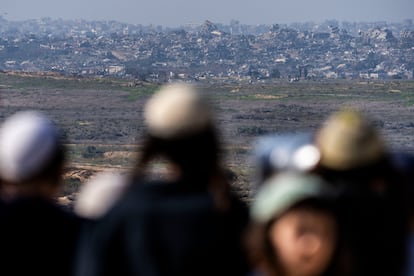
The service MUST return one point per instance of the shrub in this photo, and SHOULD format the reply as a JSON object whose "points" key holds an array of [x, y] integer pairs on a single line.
{"points": [[251, 131], [92, 152]]}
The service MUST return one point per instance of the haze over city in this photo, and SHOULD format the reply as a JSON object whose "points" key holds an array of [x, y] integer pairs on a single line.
{"points": [[181, 12]]}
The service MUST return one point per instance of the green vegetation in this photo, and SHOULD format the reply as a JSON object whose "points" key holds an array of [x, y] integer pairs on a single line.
{"points": [[408, 95], [137, 92], [326, 91], [71, 185], [49, 81], [102, 118], [92, 152], [251, 131]]}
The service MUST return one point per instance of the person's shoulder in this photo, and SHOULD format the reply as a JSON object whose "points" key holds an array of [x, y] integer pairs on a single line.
{"points": [[153, 189], [138, 196], [30, 205], [402, 161], [140, 191]]}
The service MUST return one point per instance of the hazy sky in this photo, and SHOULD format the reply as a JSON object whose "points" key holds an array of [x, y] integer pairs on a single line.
{"points": [[179, 12]]}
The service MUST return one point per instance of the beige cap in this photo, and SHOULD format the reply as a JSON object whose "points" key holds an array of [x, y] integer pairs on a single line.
{"points": [[99, 194], [177, 110], [28, 141], [348, 140]]}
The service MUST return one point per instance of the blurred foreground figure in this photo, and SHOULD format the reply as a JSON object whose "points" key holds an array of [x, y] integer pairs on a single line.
{"points": [[96, 197], [287, 152], [373, 210], [37, 237], [186, 222], [294, 229], [99, 194]]}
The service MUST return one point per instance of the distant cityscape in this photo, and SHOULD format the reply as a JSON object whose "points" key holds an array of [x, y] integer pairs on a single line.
{"points": [[209, 51]]}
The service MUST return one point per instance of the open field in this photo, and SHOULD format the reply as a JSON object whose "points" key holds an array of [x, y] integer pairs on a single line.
{"points": [[102, 119]]}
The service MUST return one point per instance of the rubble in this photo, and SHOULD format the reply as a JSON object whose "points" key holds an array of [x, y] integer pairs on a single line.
{"points": [[209, 51]]}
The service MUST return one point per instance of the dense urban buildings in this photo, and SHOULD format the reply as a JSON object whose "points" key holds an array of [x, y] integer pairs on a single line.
{"points": [[208, 51]]}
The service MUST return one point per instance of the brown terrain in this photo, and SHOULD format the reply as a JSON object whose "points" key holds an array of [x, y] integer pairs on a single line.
{"points": [[102, 123]]}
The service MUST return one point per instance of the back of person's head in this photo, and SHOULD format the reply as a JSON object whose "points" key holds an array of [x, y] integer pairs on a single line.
{"points": [[348, 140], [354, 157], [180, 128], [353, 152], [31, 153], [99, 194], [176, 111]]}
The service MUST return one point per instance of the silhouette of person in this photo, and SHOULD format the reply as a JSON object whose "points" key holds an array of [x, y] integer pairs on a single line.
{"points": [[37, 236], [373, 212], [99, 194], [294, 228], [183, 220], [276, 153]]}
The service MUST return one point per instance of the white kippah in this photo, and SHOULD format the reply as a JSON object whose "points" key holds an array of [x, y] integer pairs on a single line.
{"points": [[27, 141], [99, 194], [175, 111]]}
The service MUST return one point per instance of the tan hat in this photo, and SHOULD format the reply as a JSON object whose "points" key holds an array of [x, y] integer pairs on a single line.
{"points": [[177, 110], [28, 140], [99, 194], [348, 140]]}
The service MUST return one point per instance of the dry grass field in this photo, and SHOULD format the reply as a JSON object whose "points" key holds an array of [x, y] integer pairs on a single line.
{"points": [[102, 119]]}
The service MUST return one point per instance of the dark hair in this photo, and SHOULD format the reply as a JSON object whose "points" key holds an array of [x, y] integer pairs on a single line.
{"points": [[197, 155], [373, 199]]}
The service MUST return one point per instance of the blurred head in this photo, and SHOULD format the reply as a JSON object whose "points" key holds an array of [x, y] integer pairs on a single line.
{"points": [[353, 153], [31, 154], [176, 111], [180, 129], [294, 152], [294, 226], [99, 194], [304, 240], [348, 140]]}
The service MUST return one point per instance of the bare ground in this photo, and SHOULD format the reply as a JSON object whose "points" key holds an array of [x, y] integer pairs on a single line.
{"points": [[102, 122]]}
